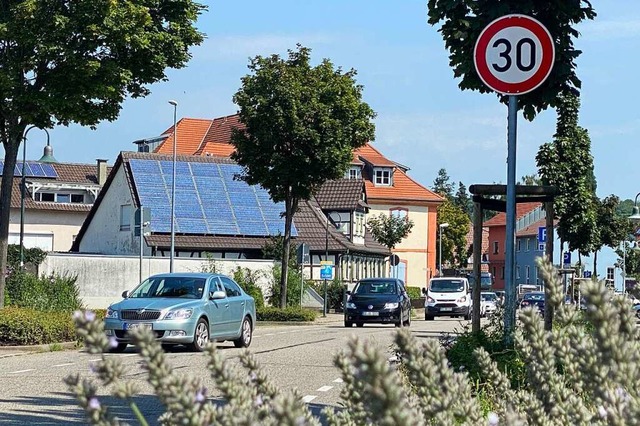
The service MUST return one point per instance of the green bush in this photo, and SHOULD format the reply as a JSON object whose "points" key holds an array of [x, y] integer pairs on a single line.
{"points": [[47, 293], [20, 326], [32, 256], [293, 286], [414, 292], [248, 280], [335, 292], [289, 314]]}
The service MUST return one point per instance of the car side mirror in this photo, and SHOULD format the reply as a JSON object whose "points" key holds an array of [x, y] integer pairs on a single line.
{"points": [[215, 295], [125, 294], [424, 291]]}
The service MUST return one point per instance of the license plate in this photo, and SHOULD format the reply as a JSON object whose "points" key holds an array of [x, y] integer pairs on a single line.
{"points": [[446, 309], [132, 326], [370, 314]]}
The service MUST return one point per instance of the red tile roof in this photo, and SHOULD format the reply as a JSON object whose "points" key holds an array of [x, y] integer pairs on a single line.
{"points": [[532, 229], [191, 133], [372, 156], [521, 209]]}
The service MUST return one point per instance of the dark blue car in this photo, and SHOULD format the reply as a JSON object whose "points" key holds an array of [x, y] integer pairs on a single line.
{"points": [[378, 300]]}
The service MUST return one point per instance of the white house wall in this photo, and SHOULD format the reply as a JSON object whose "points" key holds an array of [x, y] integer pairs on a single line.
{"points": [[103, 235], [62, 226]]}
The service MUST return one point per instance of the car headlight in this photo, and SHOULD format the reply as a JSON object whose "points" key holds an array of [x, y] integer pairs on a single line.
{"points": [[391, 305], [430, 300], [111, 313], [462, 299], [351, 305], [179, 314]]}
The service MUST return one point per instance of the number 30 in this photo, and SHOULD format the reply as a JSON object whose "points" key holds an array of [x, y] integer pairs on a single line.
{"points": [[505, 54]]}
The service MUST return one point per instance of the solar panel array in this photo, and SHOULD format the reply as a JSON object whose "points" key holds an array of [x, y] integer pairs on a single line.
{"points": [[32, 169], [207, 199]]}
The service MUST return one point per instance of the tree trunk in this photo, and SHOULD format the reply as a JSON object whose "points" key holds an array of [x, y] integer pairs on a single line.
{"points": [[290, 208], [11, 154]]}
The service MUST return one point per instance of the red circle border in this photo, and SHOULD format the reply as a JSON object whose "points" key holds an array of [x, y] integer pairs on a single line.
{"points": [[514, 20]]}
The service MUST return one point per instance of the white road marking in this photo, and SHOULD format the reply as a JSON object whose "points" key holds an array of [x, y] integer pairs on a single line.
{"points": [[283, 332], [268, 334], [95, 360], [324, 388], [127, 355], [63, 365], [308, 398], [338, 381], [21, 371]]}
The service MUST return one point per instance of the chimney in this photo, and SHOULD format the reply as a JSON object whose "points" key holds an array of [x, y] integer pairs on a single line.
{"points": [[102, 171]]}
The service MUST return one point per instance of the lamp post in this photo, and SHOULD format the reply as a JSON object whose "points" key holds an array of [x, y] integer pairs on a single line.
{"points": [[173, 186], [23, 189], [442, 225]]}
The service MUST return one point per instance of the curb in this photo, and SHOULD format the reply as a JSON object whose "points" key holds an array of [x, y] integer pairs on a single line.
{"points": [[8, 351]]}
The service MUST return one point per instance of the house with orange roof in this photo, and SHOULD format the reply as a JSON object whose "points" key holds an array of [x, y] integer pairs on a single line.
{"points": [[387, 188]]}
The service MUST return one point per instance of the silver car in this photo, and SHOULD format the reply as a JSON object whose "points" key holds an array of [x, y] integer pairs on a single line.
{"points": [[184, 308]]}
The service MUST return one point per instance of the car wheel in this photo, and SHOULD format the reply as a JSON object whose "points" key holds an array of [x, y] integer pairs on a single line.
{"points": [[200, 336], [408, 321], [359, 324], [467, 316], [348, 324], [245, 334], [400, 319], [119, 348]]}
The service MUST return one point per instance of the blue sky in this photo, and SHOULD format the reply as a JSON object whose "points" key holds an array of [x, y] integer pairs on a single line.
{"points": [[424, 121]]}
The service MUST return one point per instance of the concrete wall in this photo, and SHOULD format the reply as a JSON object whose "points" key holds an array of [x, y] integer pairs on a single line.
{"points": [[102, 279]]}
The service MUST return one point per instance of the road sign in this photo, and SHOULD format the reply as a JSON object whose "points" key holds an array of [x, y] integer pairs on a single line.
{"points": [[542, 234], [566, 258], [326, 270], [514, 54], [586, 274], [394, 260], [540, 246]]}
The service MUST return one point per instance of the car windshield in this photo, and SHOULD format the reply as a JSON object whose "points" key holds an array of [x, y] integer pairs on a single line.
{"points": [[183, 287], [534, 296], [447, 286], [492, 297], [375, 287]]}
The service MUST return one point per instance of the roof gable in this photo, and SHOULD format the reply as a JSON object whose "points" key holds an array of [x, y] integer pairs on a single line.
{"points": [[521, 209]]}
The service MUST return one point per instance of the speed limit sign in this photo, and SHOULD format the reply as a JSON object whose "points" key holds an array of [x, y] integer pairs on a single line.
{"points": [[514, 54]]}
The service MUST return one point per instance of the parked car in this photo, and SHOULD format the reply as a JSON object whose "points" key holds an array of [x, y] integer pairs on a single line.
{"points": [[184, 308], [447, 296], [636, 310], [488, 303], [378, 300], [533, 298]]}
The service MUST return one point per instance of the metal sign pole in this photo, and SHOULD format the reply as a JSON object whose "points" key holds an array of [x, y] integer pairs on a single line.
{"points": [[510, 276]]}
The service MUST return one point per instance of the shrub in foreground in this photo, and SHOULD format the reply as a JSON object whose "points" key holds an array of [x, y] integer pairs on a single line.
{"points": [[46, 293], [19, 326], [291, 314], [573, 377]]}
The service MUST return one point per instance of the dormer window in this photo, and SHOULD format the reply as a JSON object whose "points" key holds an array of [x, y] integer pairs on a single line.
{"points": [[382, 176], [354, 173]]}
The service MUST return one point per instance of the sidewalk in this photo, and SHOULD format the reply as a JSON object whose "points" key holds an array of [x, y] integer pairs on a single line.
{"points": [[7, 351]]}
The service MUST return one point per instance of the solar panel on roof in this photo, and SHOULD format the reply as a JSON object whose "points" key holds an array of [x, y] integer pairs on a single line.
{"points": [[32, 169]]}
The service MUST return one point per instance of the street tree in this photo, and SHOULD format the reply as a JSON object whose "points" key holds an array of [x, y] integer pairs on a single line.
{"points": [[529, 180], [567, 163], [612, 227], [301, 125], [454, 236], [442, 184], [67, 62], [388, 229], [463, 200], [462, 21]]}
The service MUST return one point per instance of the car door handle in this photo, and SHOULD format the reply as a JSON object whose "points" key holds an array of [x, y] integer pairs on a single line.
{"points": [[226, 305], [242, 303]]}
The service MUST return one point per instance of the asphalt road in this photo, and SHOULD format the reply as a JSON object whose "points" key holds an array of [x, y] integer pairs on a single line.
{"points": [[32, 390]]}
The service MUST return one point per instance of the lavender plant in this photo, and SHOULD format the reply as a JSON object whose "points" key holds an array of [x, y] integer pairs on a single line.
{"points": [[575, 375]]}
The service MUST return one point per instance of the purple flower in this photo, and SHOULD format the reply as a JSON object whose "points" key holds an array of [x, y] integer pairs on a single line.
{"points": [[201, 395], [493, 419], [258, 401], [113, 343], [89, 315], [94, 404], [602, 412], [77, 315]]}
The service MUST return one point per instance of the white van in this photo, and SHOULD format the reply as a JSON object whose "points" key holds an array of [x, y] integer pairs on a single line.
{"points": [[447, 296]]}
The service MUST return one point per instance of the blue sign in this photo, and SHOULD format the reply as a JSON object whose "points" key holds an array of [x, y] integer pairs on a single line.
{"points": [[326, 272], [542, 234], [566, 258], [586, 274]]}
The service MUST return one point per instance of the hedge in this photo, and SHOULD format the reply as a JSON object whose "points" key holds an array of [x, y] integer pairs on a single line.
{"points": [[21, 326], [290, 314], [414, 292]]}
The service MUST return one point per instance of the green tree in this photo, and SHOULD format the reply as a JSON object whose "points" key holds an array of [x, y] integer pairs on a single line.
{"points": [[625, 208], [612, 228], [463, 200], [76, 62], [442, 185], [567, 164], [302, 124], [530, 180], [389, 230], [463, 21], [454, 241]]}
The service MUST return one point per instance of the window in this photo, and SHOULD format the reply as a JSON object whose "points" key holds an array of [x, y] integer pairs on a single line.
{"points": [[517, 272], [528, 244], [494, 271], [63, 198], [610, 273], [495, 247], [382, 176], [359, 225], [46, 196], [502, 273], [77, 198], [230, 287], [518, 244], [527, 273], [354, 173], [399, 212], [125, 217], [52, 197]]}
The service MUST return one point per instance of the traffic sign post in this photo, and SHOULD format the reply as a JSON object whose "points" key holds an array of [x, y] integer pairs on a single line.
{"points": [[542, 234], [513, 55], [326, 273]]}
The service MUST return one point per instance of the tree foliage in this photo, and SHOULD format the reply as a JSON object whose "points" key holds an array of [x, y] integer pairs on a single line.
{"points": [[389, 230], [442, 185], [567, 164], [76, 62], [454, 241], [612, 228], [463, 200], [302, 124], [462, 21]]}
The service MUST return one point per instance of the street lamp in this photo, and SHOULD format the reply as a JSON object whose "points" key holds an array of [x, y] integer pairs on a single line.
{"points": [[173, 186], [442, 225], [23, 189]]}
